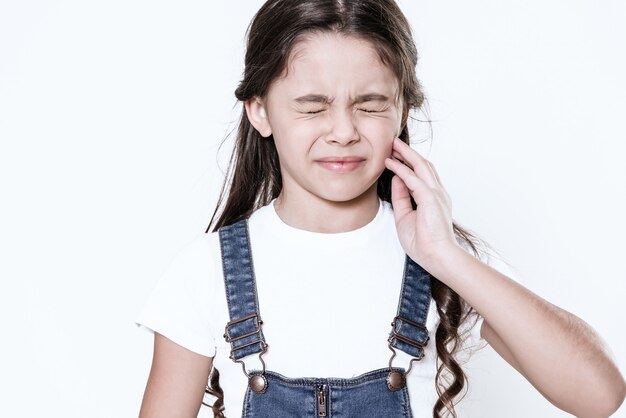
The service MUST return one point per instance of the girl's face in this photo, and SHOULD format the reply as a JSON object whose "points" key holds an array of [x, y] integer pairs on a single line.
{"points": [[333, 116]]}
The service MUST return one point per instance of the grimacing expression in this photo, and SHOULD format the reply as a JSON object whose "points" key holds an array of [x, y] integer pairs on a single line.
{"points": [[333, 116]]}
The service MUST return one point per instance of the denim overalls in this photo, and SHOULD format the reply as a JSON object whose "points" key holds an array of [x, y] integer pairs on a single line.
{"points": [[379, 393]]}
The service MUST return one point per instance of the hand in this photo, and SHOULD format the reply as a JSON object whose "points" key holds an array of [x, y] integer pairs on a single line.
{"points": [[426, 231]]}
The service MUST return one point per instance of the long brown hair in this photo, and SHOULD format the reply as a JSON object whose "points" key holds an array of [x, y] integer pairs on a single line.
{"points": [[253, 178]]}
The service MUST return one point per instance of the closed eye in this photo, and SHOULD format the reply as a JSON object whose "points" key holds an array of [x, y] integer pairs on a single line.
{"points": [[372, 111]]}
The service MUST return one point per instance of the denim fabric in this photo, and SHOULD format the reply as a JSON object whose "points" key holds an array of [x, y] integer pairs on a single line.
{"points": [[240, 292], [409, 333], [367, 395]]}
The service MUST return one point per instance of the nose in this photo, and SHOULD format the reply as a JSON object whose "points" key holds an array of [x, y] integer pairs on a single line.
{"points": [[343, 128]]}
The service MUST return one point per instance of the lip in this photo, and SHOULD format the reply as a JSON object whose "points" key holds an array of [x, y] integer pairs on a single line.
{"points": [[348, 159], [341, 164]]}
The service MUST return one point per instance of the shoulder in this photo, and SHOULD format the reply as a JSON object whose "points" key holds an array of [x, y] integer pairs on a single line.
{"points": [[201, 251], [195, 265], [182, 303]]}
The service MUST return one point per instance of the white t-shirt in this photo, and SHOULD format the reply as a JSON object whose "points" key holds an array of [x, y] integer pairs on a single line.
{"points": [[327, 302]]}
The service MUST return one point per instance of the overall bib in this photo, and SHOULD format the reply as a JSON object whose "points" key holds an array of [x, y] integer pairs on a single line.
{"points": [[379, 393]]}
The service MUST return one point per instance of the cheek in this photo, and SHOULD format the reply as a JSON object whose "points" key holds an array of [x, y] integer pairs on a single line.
{"points": [[293, 139], [383, 131], [302, 129]]}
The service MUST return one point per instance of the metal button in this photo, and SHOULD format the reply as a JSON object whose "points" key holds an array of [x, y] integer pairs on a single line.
{"points": [[395, 380], [258, 383]]}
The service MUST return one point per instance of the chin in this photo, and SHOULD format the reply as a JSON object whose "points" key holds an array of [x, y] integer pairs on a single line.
{"points": [[348, 195]]}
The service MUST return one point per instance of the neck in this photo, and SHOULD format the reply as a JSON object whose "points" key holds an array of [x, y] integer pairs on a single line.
{"points": [[319, 215]]}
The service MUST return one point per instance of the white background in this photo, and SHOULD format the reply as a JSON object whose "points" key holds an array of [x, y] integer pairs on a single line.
{"points": [[111, 114]]}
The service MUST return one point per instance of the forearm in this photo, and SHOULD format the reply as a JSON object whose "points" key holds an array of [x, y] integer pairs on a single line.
{"points": [[556, 351]]}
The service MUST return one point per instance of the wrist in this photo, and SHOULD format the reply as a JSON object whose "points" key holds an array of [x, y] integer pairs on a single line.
{"points": [[446, 261]]}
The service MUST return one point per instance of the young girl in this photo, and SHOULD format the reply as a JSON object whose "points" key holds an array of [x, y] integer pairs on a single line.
{"points": [[340, 237]]}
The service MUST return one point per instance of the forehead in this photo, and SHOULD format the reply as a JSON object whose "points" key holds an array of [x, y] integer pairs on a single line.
{"points": [[328, 60]]}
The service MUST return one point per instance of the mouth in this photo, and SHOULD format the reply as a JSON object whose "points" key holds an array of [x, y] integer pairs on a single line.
{"points": [[341, 164]]}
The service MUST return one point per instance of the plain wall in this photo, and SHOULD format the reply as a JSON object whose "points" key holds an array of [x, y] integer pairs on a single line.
{"points": [[111, 115]]}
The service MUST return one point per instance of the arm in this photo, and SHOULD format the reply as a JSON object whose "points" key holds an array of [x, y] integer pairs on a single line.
{"points": [[556, 351], [176, 383]]}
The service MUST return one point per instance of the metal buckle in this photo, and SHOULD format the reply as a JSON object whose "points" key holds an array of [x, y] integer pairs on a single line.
{"points": [[243, 365], [393, 355], [396, 336], [404, 339], [236, 321], [256, 331], [232, 351], [264, 345]]}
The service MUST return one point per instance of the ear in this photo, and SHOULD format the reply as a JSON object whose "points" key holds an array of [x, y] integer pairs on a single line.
{"points": [[257, 115]]}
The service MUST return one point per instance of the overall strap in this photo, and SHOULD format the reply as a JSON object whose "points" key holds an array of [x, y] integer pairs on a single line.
{"points": [[409, 332], [243, 332]]}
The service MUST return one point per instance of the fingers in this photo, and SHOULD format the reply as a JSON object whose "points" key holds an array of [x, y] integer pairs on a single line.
{"points": [[418, 164], [400, 198], [411, 182], [432, 168]]}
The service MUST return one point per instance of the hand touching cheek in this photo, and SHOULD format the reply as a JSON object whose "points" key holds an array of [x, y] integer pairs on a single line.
{"points": [[426, 231]]}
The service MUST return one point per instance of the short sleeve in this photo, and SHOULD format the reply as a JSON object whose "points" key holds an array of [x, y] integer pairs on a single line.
{"points": [[475, 323], [180, 306]]}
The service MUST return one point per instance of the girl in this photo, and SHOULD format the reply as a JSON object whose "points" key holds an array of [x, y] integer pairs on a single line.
{"points": [[329, 228]]}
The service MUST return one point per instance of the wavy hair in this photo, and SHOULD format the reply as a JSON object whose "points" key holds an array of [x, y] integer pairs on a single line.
{"points": [[253, 178]]}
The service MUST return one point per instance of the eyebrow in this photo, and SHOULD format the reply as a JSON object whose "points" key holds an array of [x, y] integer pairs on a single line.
{"points": [[313, 98], [371, 97], [320, 98]]}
